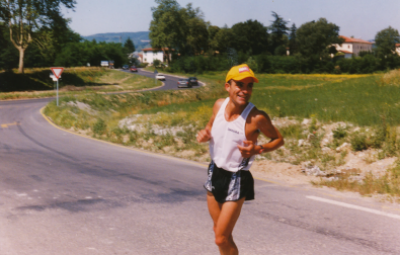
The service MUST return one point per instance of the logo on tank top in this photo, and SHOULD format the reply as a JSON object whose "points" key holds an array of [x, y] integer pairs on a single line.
{"points": [[234, 131]]}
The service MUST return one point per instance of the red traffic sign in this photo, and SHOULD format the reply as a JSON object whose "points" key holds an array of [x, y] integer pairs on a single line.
{"points": [[57, 71]]}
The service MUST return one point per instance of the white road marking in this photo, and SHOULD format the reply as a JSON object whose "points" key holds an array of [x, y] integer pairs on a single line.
{"points": [[356, 207]]}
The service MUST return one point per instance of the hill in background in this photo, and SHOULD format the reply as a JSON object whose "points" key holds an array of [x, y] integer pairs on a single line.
{"points": [[140, 39]]}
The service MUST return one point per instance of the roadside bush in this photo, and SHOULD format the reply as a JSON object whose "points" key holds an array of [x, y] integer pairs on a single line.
{"points": [[156, 63], [143, 65], [391, 78], [199, 64], [99, 127], [359, 142], [339, 132]]}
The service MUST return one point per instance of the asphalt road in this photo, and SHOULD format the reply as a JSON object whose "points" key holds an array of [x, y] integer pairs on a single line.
{"points": [[169, 83], [61, 193]]}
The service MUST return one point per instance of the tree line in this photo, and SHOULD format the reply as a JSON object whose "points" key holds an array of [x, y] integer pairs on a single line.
{"points": [[35, 34], [196, 45]]}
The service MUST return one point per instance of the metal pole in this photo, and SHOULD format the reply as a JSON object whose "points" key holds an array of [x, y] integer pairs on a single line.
{"points": [[57, 92]]}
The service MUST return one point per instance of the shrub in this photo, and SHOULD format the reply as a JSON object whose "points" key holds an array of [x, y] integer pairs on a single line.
{"points": [[391, 78], [359, 142], [99, 127], [156, 63], [143, 65], [339, 132]]}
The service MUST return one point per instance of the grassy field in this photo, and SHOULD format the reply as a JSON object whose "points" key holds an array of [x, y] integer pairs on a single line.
{"points": [[36, 83], [167, 121]]}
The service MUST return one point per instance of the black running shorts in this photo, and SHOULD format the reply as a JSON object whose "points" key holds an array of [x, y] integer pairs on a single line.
{"points": [[229, 186]]}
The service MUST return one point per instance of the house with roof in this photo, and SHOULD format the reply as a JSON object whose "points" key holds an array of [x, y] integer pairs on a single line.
{"points": [[398, 48], [148, 55], [353, 46]]}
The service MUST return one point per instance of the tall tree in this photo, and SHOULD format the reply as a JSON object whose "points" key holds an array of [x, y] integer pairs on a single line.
{"points": [[315, 39], [292, 40], [250, 36], [165, 27], [129, 46], [278, 30], [24, 17], [194, 30], [223, 40], [385, 41]]}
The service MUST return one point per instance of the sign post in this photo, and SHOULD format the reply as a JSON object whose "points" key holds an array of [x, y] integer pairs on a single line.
{"points": [[57, 71], [155, 76]]}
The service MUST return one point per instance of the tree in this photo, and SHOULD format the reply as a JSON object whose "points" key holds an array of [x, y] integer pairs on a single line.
{"points": [[129, 47], [315, 39], [50, 42], [385, 41], [165, 30], [212, 32], [25, 17], [250, 36], [278, 30], [194, 31], [223, 40], [292, 40]]}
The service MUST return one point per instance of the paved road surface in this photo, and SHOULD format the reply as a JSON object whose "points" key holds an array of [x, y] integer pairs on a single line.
{"points": [[65, 194], [169, 83]]}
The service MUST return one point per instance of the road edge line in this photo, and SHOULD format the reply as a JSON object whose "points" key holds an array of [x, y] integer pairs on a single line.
{"points": [[356, 207]]}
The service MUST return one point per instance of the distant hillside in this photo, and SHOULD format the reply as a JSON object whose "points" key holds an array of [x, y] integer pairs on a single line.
{"points": [[140, 39]]}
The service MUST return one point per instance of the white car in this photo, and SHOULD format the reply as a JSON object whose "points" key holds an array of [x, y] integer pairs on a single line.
{"points": [[160, 76]]}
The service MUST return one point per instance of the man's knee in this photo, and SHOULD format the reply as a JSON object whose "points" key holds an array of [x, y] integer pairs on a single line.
{"points": [[221, 241]]}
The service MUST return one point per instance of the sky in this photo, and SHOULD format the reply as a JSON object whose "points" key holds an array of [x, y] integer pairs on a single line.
{"points": [[359, 18]]}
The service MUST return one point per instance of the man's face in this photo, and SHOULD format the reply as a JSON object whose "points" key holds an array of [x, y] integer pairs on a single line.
{"points": [[240, 91]]}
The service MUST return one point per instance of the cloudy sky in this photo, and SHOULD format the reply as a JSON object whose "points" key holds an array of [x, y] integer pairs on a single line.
{"points": [[358, 18]]}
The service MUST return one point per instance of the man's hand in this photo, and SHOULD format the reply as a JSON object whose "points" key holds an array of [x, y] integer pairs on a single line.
{"points": [[203, 136], [249, 149]]}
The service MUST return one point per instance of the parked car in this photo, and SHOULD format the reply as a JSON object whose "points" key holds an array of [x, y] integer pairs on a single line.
{"points": [[133, 69], [160, 76], [125, 67], [193, 81], [184, 83]]}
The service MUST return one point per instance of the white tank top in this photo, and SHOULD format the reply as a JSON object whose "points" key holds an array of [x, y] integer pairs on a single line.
{"points": [[225, 136]]}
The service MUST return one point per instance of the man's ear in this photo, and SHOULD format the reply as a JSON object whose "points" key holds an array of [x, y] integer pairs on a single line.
{"points": [[227, 86]]}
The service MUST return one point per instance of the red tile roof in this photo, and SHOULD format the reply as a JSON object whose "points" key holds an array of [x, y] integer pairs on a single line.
{"points": [[397, 44], [345, 51], [354, 40], [155, 49]]}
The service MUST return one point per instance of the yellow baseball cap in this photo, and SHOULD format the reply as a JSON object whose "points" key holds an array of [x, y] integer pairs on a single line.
{"points": [[240, 72]]}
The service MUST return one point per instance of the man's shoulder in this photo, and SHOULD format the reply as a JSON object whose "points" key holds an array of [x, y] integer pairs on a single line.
{"points": [[258, 114], [219, 102]]}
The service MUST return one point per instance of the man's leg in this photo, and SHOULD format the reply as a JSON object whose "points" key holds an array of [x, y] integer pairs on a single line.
{"points": [[214, 208], [228, 216]]}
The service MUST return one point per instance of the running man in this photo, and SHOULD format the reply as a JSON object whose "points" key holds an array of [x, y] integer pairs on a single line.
{"points": [[232, 131]]}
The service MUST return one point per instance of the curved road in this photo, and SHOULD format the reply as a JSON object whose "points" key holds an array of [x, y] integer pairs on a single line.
{"points": [[61, 193], [169, 83]]}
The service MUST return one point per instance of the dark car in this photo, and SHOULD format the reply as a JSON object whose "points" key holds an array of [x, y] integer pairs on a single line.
{"points": [[193, 81], [133, 69], [125, 67], [184, 83]]}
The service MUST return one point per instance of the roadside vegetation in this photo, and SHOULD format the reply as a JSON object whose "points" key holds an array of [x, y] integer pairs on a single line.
{"points": [[327, 121], [36, 83]]}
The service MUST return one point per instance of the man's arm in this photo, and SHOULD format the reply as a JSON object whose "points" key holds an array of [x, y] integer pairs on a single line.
{"points": [[204, 135], [265, 126], [263, 123]]}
